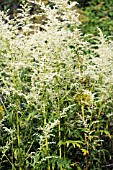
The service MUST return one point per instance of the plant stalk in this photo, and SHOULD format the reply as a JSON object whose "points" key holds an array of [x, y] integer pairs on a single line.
{"points": [[83, 117]]}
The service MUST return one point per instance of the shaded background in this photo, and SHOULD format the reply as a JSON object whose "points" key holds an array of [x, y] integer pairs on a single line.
{"points": [[93, 14]]}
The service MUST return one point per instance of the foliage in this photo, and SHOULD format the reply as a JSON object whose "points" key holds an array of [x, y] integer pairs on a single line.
{"points": [[93, 14], [56, 91], [98, 13]]}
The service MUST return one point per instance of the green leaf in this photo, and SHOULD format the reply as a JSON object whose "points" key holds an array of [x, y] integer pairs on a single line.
{"points": [[61, 143], [74, 143], [106, 132], [85, 152]]}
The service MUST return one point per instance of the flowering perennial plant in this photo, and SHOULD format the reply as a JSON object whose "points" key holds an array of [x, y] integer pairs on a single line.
{"points": [[56, 91]]}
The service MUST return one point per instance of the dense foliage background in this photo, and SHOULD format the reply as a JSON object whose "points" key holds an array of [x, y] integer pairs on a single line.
{"points": [[93, 14], [56, 85]]}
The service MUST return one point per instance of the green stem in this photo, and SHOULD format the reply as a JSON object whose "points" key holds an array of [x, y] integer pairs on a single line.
{"points": [[60, 149], [82, 107], [83, 117], [46, 137], [52, 167], [58, 109], [18, 136], [12, 153], [59, 129], [45, 117], [18, 129], [10, 162]]}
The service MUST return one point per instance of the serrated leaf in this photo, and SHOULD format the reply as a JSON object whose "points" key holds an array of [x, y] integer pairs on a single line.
{"points": [[74, 143], [85, 152]]}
